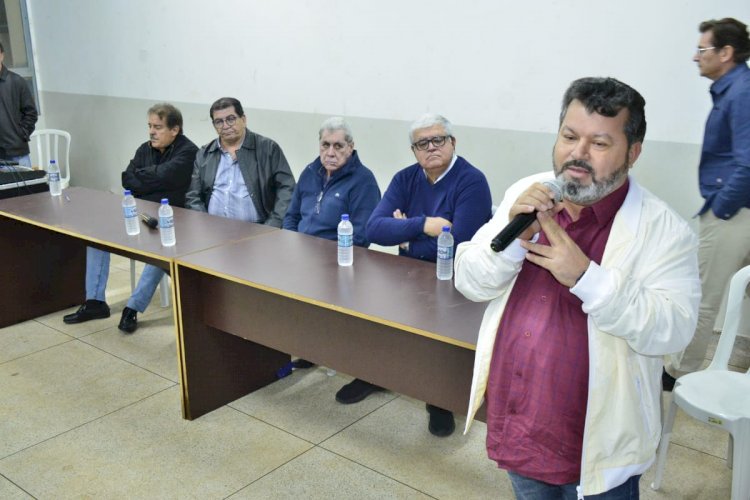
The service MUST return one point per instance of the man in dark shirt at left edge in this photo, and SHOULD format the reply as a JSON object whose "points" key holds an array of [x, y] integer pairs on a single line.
{"points": [[161, 168]]}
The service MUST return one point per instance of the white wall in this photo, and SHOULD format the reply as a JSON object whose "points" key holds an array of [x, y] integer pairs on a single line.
{"points": [[495, 64], [497, 69]]}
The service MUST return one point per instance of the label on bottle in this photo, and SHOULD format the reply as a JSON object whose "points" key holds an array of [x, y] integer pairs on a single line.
{"points": [[130, 212], [166, 222], [53, 176], [445, 253], [346, 240]]}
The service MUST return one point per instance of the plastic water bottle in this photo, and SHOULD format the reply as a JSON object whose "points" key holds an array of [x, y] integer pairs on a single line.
{"points": [[53, 179], [346, 241], [166, 224], [445, 254], [130, 212]]}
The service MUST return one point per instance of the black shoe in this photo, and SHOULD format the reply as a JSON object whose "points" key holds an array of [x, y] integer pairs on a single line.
{"points": [[91, 309], [667, 381], [129, 320], [442, 423], [355, 391], [302, 363]]}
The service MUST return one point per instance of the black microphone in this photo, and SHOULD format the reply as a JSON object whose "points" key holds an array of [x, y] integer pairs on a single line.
{"points": [[522, 221], [148, 220]]}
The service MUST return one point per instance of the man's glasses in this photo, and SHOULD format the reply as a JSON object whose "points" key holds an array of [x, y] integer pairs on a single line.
{"points": [[229, 120], [424, 144], [700, 50]]}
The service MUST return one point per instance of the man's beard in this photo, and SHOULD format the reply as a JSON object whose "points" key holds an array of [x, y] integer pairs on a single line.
{"points": [[580, 194]]}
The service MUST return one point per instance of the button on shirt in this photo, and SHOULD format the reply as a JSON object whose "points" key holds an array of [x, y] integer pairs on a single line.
{"points": [[230, 197], [538, 383]]}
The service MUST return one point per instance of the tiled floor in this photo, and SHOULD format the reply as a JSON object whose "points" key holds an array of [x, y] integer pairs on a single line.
{"points": [[88, 412]]}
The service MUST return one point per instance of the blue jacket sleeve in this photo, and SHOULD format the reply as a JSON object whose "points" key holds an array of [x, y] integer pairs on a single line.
{"points": [[383, 229], [364, 199], [736, 191], [293, 215], [472, 209]]}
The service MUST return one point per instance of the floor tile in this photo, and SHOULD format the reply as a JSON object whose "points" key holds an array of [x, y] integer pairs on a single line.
{"points": [[697, 435], [52, 391], [394, 441], [304, 405], [321, 474], [28, 337], [118, 293], [123, 263], [689, 474], [148, 451], [152, 346], [740, 353], [10, 492]]}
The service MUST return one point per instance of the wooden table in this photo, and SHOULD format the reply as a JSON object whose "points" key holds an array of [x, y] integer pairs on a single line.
{"points": [[44, 240], [386, 319]]}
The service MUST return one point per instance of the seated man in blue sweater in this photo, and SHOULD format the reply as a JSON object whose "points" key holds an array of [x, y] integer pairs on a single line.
{"points": [[441, 189], [335, 183]]}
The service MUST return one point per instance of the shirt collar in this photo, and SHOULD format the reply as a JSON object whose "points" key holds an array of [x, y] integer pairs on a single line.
{"points": [[606, 208], [453, 162], [722, 84]]}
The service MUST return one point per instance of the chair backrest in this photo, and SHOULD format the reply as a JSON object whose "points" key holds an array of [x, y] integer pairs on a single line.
{"points": [[52, 144], [737, 288]]}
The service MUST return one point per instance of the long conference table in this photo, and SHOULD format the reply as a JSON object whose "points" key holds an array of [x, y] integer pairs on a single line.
{"points": [[247, 295], [44, 240]]}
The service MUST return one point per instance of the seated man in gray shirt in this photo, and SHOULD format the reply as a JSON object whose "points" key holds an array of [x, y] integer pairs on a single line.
{"points": [[240, 175]]}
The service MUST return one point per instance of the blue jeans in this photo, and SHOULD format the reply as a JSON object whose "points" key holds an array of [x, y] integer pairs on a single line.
{"points": [[97, 274], [144, 291], [530, 489], [24, 160]]}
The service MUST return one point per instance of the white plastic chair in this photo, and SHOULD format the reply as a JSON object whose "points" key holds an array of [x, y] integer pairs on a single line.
{"points": [[163, 285], [53, 144], [718, 397]]}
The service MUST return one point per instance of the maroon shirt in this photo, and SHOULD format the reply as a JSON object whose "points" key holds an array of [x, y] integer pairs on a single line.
{"points": [[538, 382]]}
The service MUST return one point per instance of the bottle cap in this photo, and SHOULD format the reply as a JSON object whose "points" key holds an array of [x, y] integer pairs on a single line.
{"points": [[446, 229], [127, 192], [164, 201], [52, 161], [344, 216]]}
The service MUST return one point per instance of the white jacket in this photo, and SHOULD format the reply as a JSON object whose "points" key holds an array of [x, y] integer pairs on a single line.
{"points": [[642, 303]]}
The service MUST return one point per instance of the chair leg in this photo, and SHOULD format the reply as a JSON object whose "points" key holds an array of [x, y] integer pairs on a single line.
{"points": [[164, 291], [741, 461], [666, 435], [730, 452], [132, 275]]}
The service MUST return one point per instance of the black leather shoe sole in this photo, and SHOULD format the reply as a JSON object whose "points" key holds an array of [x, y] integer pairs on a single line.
{"points": [[81, 317], [355, 391], [128, 326]]}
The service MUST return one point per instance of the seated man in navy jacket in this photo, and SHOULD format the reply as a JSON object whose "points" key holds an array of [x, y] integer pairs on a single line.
{"points": [[441, 189], [335, 183]]}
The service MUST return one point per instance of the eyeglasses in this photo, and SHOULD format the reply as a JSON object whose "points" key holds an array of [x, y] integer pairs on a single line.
{"points": [[436, 141], [337, 146], [229, 120], [700, 50]]}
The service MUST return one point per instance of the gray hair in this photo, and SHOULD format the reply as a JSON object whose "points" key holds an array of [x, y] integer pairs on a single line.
{"points": [[429, 120], [336, 123]]}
